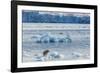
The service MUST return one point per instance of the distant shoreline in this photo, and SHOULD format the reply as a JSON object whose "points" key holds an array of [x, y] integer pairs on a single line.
{"points": [[53, 26]]}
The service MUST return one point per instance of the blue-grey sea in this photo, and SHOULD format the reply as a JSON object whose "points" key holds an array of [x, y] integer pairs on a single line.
{"points": [[62, 45]]}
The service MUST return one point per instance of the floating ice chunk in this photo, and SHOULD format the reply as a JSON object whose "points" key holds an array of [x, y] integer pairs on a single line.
{"points": [[39, 58], [51, 38], [61, 56], [50, 56], [79, 55], [76, 54], [26, 54], [68, 40], [86, 56], [55, 55]]}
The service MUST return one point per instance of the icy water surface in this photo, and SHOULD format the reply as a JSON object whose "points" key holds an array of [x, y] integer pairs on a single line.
{"points": [[62, 45]]}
